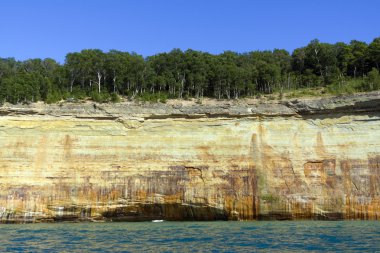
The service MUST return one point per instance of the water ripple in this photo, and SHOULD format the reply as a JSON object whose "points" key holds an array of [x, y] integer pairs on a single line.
{"points": [[289, 236]]}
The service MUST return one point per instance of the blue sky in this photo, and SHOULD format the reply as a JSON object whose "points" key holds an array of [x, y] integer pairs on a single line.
{"points": [[52, 28]]}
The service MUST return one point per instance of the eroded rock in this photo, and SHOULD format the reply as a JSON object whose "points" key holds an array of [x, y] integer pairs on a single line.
{"points": [[309, 159]]}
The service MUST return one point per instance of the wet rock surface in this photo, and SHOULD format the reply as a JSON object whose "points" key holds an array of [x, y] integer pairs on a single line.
{"points": [[226, 160]]}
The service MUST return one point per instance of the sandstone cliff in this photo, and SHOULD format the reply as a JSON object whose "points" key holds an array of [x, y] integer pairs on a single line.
{"points": [[240, 160]]}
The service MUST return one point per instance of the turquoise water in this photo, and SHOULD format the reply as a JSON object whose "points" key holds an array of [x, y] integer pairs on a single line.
{"points": [[287, 236]]}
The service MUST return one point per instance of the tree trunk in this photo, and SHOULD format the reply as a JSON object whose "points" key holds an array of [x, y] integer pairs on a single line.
{"points": [[71, 85], [72, 80], [182, 87], [99, 80], [114, 84], [114, 81], [228, 92]]}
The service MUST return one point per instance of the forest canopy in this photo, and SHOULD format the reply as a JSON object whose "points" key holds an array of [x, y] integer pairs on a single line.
{"points": [[105, 76]]}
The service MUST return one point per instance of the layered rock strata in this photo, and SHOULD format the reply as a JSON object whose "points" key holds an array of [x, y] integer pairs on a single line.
{"points": [[226, 160]]}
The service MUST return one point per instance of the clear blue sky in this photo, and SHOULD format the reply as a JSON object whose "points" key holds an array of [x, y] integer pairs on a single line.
{"points": [[52, 28]]}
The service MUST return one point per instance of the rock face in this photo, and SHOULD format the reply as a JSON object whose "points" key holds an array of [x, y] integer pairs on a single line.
{"points": [[301, 159]]}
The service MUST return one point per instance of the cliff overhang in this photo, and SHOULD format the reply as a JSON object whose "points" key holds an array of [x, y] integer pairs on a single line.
{"points": [[186, 160]]}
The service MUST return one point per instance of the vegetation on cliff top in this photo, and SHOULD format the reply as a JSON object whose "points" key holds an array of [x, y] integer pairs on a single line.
{"points": [[105, 76]]}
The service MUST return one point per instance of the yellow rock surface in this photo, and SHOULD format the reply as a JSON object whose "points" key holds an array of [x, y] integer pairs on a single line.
{"points": [[203, 168]]}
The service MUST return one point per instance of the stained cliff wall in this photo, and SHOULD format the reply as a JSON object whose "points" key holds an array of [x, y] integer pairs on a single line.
{"points": [[304, 159]]}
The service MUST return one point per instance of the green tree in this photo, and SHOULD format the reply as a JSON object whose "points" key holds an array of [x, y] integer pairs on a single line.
{"points": [[373, 80], [374, 53], [357, 65]]}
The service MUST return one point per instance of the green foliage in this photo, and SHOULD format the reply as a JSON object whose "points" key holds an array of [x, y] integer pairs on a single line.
{"points": [[305, 92], [372, 81], [153, 97], [115, 98], [23, 87], [374, 53], [53, 96], [348, 87], [336, 68], [77, 94], [103, 97]]}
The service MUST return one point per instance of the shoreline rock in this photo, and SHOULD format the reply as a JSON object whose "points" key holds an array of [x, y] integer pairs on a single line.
{"points": [[220, 160]]}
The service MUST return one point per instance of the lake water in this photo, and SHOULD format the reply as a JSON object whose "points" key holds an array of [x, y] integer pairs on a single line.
{"points": [[265, 236]]}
